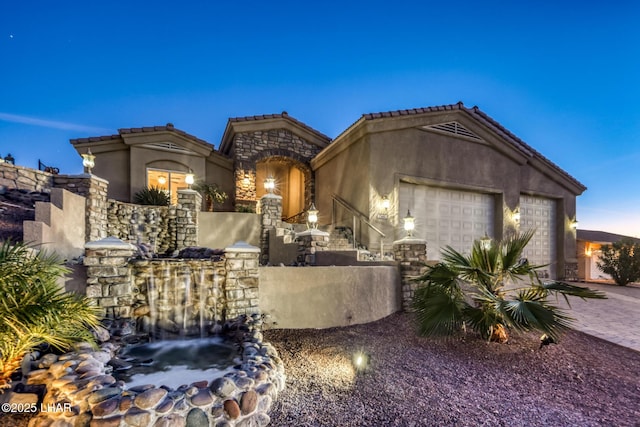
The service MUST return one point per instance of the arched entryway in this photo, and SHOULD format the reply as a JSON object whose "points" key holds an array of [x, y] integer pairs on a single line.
{"points": [[292, 180]]}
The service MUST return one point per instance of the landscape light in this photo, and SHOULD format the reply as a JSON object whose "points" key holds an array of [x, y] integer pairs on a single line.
{"points": [[409, 223], [360, 361], [88, 161]]}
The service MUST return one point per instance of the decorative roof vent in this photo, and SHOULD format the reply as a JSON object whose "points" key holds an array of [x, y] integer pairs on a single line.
{"points": [[454, 128], [167, 146]]}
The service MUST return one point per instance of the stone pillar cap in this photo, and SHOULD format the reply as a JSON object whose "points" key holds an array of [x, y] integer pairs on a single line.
{"points": [[86, 176], [270, 196], [242, 246], [313, 232], [110, 242], [410, 241]]}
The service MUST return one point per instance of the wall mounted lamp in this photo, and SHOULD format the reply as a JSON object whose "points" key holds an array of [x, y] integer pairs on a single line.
{"points": [[88, 161]]}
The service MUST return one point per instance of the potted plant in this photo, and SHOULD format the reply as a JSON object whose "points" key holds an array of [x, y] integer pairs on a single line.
{"points": [[211, 193]]}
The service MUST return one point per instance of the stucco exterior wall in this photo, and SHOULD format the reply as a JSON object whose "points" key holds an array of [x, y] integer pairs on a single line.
{"points": [[325, 297], [348, 176], [222, 229], [114, 167]]}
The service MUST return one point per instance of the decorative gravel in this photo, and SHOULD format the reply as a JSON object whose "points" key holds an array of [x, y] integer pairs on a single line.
{"points": [[414, 381]]}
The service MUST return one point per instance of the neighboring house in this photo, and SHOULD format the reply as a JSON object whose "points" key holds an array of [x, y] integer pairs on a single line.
{"points": [[589, 246], [459, 173]]}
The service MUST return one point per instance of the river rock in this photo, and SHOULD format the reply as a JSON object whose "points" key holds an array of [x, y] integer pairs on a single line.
{"points": [[137, 417], [165, 406], [248, 402], [232, 409], [103, 394], [150, 398], [171, 420], [202, 398], [222, 387], [106, 407], [197, 418], [106, 422]]}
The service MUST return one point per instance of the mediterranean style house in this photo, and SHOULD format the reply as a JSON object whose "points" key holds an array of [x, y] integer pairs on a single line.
{"points": [[589, 247], [454, 169]]}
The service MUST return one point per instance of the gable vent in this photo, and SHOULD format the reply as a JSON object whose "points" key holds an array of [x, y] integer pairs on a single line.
{"points": [[454, 128], [168, 146]]}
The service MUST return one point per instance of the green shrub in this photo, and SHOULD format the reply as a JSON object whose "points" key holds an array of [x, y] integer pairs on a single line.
{"points": [[621, 261], [491, 291], [152, 196], [34, 309]]}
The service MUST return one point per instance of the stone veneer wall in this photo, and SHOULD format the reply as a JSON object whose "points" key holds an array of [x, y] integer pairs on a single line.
{"points": [[271, 211], [112, 284], [310, 242], [21, 178], [411, 254], [154, 225], [251, 147]]}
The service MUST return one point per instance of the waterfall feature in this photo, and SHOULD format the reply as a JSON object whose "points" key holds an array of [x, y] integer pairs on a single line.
{"points": [[174, 298]]}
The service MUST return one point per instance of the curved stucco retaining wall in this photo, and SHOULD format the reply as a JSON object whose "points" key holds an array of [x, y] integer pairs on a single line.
{"points": [[325, 297]]}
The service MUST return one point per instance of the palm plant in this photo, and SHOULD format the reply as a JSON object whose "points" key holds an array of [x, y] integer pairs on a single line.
{"points": [[33, 308], [212, 194], [153, 195], [492, 290]]}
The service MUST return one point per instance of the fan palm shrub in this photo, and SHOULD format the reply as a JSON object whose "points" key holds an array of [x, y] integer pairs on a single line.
{"points": [[153, 195], [34, 310], [492, 290]]}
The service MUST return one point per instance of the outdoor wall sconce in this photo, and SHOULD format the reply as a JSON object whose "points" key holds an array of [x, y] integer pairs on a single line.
{"points": [[162, 180], [385, 203], [88, 161], [246, 181], [409, 223], [574, 224], [516, 216], [189, 179], [312, 217], [270, 184], [485, 242]]}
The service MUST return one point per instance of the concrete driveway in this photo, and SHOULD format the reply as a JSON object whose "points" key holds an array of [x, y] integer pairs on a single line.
{"points": [[616, 319]]}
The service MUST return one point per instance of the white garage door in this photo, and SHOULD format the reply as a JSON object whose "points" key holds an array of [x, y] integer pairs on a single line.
{"points": [[539, 213], [446, 217]]}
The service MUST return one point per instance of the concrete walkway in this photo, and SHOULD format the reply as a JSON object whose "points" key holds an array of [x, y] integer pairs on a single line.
{"points": [[616, 319]]}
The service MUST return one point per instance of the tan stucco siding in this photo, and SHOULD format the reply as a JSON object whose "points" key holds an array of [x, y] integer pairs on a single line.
{"points": [[114, 167], [324, 297]]}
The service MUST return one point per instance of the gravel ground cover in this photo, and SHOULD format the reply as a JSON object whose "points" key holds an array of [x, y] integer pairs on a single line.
{"points": [[414, 381]]}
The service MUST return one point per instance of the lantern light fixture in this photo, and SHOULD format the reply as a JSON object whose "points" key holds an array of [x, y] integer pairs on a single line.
{"points": [[409, 223], [270, 184], [312, 217], [485, 242], [574, 224], [385, 203], [189, 179], [88, 161]]}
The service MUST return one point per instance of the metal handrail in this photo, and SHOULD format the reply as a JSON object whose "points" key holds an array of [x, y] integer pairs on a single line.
{"points": [[355, 213], [297, 217]]}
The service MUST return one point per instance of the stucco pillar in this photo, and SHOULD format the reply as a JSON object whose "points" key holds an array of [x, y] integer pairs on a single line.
{"points": [[242, 281], [310, 242], [108, 276], [271, 211], [411, 254], [94, 190], [189, 204]]}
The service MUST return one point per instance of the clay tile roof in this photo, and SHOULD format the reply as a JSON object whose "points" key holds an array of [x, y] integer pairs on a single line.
{"points": [[601, 236], [168, 127], [283, 115]]}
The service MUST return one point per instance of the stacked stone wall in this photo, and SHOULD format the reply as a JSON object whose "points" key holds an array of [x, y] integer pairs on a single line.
{"points": [[153, 225], [21, 178], [271, 211], [411, 254], [251, 147]]}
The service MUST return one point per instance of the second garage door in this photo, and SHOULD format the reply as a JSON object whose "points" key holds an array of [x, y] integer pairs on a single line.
{"points": [[539, 213], [448, 217]]}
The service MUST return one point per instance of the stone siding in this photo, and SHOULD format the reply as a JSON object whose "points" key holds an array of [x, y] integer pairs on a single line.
{"points": [[252, 147], [152, 225], [411, 254], [271, 211], [21, 178], [94, 190]]}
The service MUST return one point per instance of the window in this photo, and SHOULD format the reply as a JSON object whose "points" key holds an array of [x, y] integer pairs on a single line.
{"points": [[170, 181]]}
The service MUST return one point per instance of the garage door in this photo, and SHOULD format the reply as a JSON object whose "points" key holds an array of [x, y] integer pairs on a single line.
{"points": [[539, 213], [446, 217]]}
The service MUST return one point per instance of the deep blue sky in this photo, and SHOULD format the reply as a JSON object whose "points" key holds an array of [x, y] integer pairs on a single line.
{"points": [[562, 76]]}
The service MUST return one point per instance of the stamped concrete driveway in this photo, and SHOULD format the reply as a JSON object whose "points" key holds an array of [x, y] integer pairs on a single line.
{"points": [[616, 319]]}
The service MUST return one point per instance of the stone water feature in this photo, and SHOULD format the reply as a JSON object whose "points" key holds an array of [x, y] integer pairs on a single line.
{"points": [[163, 298]]}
